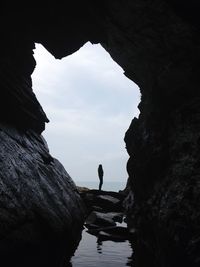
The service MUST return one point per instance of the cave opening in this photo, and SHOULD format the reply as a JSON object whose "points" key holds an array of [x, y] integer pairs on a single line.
{"points": [[157, 45], [90, 104]]}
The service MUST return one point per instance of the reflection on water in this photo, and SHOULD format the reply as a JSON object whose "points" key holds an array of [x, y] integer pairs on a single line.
{"points": [[94, 253], [99, 246]]}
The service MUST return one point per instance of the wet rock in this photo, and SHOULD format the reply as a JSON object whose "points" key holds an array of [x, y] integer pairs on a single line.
{"points": [[96, 193], [113, 236], [91, 226], [109, 202], [96, 229], [96, 208], [99, 218], [113, 233], [116, 216], [82, 189], [106, 201], [41, 209], [95, 217]]}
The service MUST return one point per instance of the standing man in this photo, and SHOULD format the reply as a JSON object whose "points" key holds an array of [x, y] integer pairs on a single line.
{"points": [[100, 173]]}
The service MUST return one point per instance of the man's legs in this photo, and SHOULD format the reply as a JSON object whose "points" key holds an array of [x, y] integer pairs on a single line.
{"points": [[100, 182]]}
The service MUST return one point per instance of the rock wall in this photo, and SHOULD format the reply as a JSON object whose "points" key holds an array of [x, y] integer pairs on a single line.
{"points": [[40, 208], [157, 44], [41, 212], [163, 143], [159, 49]]}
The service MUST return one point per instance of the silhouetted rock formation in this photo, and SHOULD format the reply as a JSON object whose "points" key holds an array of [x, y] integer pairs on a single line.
{"points": [[105, 200], [157, 44], [104, 210], [41, 210]]}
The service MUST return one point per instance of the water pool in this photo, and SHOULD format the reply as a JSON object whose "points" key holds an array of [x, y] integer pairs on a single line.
{"points": [[91, 253]]}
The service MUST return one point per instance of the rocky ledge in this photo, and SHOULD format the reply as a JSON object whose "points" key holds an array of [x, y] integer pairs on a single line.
{"points": [[105, 215]]}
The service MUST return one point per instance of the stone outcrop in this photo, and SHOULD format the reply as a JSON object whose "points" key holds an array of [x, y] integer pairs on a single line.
{"points": [[41, 212], [40, 208], [105, 215], [103, 200], [157, 44]]}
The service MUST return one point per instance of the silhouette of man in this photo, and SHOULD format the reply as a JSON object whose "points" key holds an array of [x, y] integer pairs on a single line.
{"points": [[100, 173]]}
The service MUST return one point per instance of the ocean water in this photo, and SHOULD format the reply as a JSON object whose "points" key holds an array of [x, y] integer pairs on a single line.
{"points": [[107, 185]]}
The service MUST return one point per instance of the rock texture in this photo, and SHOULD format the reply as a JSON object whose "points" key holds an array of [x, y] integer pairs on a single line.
{"points": [[105, 215], [157, 44], [40, 207], [105, 200]]}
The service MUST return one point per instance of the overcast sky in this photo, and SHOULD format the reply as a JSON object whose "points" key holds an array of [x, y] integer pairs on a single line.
{"points": [[90, 104]]}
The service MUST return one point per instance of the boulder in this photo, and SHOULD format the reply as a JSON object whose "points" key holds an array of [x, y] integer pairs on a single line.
{"points": [[82, 189], [107, 201], [100, 218], [112, 233], [117, 234]]}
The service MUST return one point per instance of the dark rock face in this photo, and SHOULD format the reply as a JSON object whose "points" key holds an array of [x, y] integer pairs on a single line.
{"points": [[104, 200], [18, 104], [163, 142], [103, 215], [100, 218], [157, 44], [41, 210]]}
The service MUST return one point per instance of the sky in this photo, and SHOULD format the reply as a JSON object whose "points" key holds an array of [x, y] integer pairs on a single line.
{"points": [[90, 104]]}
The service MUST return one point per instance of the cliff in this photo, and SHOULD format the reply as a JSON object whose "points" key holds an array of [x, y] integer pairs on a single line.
{"points": [[157, 44], [41, 213]]}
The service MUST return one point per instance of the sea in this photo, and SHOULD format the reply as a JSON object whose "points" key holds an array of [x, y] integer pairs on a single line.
{"points": [[91, 253], [107, 185]]}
